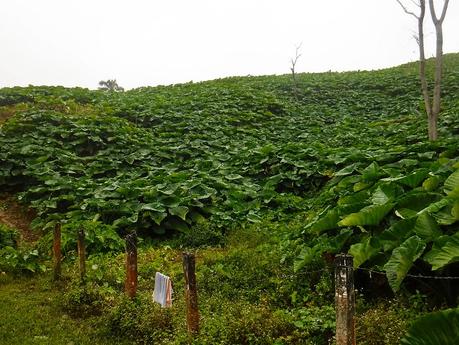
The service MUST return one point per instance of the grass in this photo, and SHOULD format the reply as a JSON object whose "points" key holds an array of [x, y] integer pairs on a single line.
{"points": [[31, 314]]}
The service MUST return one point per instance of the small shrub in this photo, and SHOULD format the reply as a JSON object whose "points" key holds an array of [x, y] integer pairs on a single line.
{"points": [[84, 300], [243, 323], [140, 320], [317, 323], [383, 324], [203, 234], [8, 237], [20, 260], [99, 237]]}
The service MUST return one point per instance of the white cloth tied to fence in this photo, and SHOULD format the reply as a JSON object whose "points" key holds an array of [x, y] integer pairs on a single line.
{"points": [[163, 290]]}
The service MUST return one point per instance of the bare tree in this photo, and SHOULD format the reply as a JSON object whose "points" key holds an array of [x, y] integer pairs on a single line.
{"points": [[110, 85], [293, 62], [432, 105]]}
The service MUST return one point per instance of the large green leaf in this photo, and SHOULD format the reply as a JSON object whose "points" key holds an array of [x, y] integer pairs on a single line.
{"points": [[371, 172], [365, 250], [370, 215], [445, 216], [452, 183], [426, 227], [444, 251], [431, 183], [438, 328], [347, 170], [402, 259], [180, 211], [411, 180], [305, 257], [326, 222], [386, 193], [397, 233]]}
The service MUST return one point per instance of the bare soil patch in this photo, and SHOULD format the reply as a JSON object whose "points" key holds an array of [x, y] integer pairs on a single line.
{"points": [[18, 217]]}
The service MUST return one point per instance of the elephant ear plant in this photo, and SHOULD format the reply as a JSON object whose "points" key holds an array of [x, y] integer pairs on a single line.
{"points": [[439, 328]]}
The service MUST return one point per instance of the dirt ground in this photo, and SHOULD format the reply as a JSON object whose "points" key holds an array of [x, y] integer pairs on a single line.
{"points": [[18, 217]]}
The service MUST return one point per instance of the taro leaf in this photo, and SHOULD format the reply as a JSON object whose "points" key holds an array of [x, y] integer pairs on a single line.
{"points": [[444, 251], [385, 193], [169, 189], [397, 233], [347, 170], [180, 211], [455, 210], [431, 183], [327, 222], [171, 201], [445, 216], [121, 222], [371, 172], [196, 217], [437, 206], [337, 242], [203, 192], [426, 227], [438, 328], [354, 198], [359, 186], [402, 259], [370, 215], [452, 183], [365, 250], [411, 180], [153, 207], [305, 257], [418, 200], [157, 217]]}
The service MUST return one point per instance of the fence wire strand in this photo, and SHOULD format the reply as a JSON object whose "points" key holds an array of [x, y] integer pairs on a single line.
{"points": [[418, 276]]}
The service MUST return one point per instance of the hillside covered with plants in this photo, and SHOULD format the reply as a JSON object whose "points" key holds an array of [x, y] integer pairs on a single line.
{"points": [[338, 163]]}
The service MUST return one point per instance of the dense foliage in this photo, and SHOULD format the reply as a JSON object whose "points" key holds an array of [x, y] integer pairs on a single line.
{"points": [[346, 154]]}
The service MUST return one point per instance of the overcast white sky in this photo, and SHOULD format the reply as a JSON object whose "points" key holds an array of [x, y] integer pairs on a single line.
{"points": [[151, 42]]}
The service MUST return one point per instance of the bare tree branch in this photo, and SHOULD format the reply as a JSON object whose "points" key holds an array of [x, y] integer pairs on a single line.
{"points": [[297, 56], [406, 9], [443, 14], [433, 13]]}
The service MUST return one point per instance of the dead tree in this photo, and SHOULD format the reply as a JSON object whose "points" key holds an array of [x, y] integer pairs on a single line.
{"points": [[293, 62], [432, 105]]}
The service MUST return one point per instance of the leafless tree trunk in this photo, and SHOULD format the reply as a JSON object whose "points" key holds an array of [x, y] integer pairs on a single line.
{"points": [[293, 62], [438, 22], [432, 106]]}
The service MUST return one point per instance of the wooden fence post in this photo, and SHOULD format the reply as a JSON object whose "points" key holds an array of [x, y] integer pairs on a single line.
{"points": [[82, 255], [131, 265], [344, 300], [191, 294], [57, 254]]}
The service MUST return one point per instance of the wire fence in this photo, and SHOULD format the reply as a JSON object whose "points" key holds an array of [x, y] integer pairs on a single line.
{"points": [[418, 276]]}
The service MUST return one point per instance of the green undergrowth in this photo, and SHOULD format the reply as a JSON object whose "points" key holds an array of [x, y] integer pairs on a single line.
{"points": [[264, 183], [245, 296]]}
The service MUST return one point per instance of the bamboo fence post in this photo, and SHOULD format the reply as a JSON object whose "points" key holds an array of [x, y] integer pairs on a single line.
{"points": [[82, 255], [191, 294], [57, 254], [131, 265], [344, 300]]}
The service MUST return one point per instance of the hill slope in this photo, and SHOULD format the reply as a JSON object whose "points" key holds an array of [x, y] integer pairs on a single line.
{"points": [[160, 158]]}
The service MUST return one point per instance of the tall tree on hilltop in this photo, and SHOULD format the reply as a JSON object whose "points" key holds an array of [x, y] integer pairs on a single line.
{"points": [[293, 62], [432, 104], [110, 85]]}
